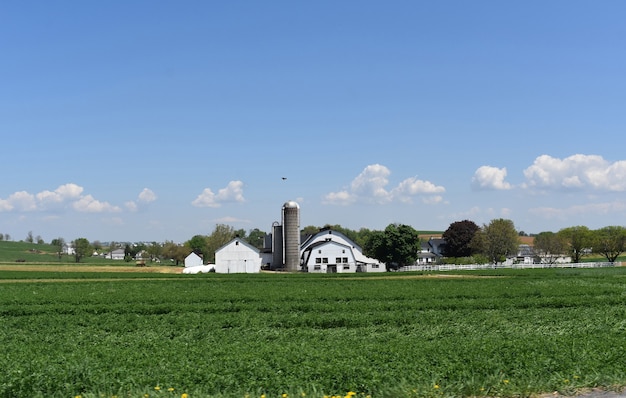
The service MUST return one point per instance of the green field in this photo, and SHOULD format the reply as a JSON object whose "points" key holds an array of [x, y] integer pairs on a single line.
{"points": [[484, 334]]}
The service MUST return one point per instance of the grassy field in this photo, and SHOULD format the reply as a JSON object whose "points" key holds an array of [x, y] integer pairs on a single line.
{"points": [[151, 334]]}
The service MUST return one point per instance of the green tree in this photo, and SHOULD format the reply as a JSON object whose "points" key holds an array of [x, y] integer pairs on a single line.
{"points": [[459, 236], [578, 240], [29, 237], [256, 238], [609, 241], [221, 235], [549, 246], [175, 252], [396, 246], [58, 244], [154, 250], [309, 230], [198, 244], [500, 240], [82, 248]]}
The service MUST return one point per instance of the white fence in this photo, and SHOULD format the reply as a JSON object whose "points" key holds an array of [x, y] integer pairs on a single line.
{"points": [[475, 267]]}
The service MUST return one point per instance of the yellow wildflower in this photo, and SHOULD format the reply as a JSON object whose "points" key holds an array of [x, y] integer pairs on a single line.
{"points": [[171, 389], [436, 386], [157, 388], [184, 395]]}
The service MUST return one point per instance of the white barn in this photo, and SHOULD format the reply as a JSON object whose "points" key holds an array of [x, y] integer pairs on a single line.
{"points": [[117, 254], [237, 256], [193, 260], [330, 251]]}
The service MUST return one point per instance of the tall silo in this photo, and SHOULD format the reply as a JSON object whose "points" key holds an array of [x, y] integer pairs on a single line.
{"points": [[277, 246], [291, 235]]}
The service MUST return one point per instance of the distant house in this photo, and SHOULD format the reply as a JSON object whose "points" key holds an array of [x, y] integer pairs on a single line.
{"points": [[329, 251], [426, 255], [117, 254], [69, 250], [193, 260], [237, 256]]}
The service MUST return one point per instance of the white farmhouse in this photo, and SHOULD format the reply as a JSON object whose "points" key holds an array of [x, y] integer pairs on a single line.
{"points": [[329, 251], [237, 256]]}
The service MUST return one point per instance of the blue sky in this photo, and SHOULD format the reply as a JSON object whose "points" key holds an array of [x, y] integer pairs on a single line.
{"points": [[157, 120]]}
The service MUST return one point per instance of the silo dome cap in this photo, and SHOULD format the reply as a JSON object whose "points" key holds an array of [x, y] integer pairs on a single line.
{"points": [[292, 204]]}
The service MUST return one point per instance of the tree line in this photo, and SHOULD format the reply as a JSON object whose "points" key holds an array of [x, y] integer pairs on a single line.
{"points": [[396, 246]]}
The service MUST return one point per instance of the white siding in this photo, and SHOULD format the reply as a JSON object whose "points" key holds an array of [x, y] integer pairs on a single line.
{"points": [[237, 257], [193, 260], [339, 242]]}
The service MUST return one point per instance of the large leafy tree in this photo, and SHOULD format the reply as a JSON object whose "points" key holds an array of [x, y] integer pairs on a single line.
{"points": [[459, 236], [58, 244], [175, 252], [221, 235], [256, 238], [198, 244], [82, 248], [549, 246], [154, 250], [499, 240], [578, 240], [396, 246], [609, 241]]}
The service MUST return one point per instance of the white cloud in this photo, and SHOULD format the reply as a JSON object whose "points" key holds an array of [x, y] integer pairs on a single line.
{"points": [[20, 201], [144, 197], [87, 204], [370, 186], [490, 178], [339, 198], [45, 200], [576, 172], [231, 220], [147, 196], [232, 193], [131, 206], [59, 196]]}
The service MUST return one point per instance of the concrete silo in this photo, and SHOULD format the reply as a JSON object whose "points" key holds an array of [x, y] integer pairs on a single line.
{"points": [[291, 236], [277, 246]]}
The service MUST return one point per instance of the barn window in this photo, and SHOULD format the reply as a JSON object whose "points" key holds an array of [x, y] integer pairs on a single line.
{"points": [[338, 260], [237, 243], [345, 259], [325, 260], [317, 267], [346, 266], [318, 260]]}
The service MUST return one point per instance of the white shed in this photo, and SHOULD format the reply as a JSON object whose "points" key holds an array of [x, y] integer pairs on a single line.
{"points": [[193, 260], [237, 256]]}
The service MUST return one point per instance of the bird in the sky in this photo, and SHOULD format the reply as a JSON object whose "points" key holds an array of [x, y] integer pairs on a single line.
{"points": [[284, 178]]}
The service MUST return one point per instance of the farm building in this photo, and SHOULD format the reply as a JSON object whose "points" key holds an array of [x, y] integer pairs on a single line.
{"points": [[117, 254], [193, 260], [237, 256], [329, 251]]}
